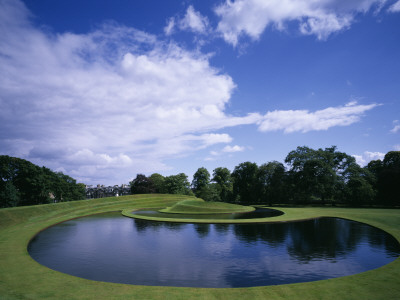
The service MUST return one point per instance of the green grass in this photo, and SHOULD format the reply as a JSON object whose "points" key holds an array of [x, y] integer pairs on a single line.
{"points": [[23, 278], [198, 206]]}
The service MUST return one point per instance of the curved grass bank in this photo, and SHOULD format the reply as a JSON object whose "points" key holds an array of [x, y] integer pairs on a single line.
{"points": [[198, 206], [23, 278]]}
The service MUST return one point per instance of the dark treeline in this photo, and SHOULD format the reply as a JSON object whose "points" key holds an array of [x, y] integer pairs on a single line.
{"points": [[23, 183], [323, 176]]}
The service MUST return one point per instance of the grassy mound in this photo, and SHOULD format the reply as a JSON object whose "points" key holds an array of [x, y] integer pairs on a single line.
{"points": [[194, 206]]}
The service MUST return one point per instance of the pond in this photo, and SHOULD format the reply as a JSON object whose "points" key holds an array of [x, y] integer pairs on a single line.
{"points": [[110, 247]]}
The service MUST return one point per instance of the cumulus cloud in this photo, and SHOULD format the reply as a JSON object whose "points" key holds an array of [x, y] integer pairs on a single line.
{"points": [[226, 149], [396, 127], [114, 97], [368, 156], [231, 149], [169, 28], [314, 17], [116, 101], [303, 120], [192, 21], [395, 7]]}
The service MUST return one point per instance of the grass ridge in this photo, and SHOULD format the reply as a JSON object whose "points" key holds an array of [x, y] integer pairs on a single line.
{"points": [[198, 206]]}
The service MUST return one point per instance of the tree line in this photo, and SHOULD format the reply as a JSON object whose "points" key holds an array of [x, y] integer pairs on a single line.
{"points": [[322, 176], [23, 183]]}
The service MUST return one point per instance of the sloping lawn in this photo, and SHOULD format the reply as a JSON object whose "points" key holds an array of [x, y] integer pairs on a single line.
{"points": [[23, 278], [191, 206]]}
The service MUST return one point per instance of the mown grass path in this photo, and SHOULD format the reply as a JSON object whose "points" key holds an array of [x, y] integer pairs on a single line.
{"points": [[23, 278]]}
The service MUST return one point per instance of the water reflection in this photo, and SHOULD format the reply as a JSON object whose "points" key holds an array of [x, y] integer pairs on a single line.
{"points": [[271, 235], [222, 228], [326, 239], [202, 229], [113, 248]]}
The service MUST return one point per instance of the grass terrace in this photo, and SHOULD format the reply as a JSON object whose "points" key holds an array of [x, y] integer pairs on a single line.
{"points": [[198, 206], [23, 278]]}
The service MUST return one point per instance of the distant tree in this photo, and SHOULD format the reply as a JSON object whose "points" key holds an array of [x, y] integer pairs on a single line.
{"points": [[222, 178], [9, 195], [177, 184], [389, 179], [141, 185], [79, 191], [200, 181], [375, 168], [23, 183], [158, 183], [65, 188], [271, 181], [209, 192], [358, 189], [245, 183], [317, 174]]}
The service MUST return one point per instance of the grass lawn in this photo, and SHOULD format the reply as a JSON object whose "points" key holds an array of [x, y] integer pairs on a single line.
{"points": [[23, 278], [195, 206]]}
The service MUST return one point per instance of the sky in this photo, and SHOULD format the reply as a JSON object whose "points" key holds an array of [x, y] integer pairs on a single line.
{"points": [[104, 90]]}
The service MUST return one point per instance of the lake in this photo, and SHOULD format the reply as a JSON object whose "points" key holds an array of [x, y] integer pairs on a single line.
{"points": [[113, 248]]}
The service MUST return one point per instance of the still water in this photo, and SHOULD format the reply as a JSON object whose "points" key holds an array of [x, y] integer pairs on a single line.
{"points": [[113, 248]]}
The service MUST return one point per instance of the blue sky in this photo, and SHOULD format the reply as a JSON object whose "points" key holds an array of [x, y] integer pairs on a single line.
{"points": [[103, 90]]}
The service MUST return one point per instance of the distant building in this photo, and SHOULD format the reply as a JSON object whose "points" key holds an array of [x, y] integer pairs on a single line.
{"points": [[101, 191]]}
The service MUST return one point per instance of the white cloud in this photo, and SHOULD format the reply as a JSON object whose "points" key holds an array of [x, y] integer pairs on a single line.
{"points": [[192, 21], [232, 149], [86, 156], [303, 120], [368, 156], [214, 138], [396, 127], [314, 17], [117, 101], [396, 147], [169, 29], [395, 7], [226, 149], [115, 97]]}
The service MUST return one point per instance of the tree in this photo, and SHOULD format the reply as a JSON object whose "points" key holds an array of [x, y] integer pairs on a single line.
{"points": [[245, 183], [222, 178], [375, 168], [65, 188], [9, 195], [158, 183], [200, 181], [389, 179], [317, 174], [271, 180], [359, 189], [209, 192], [141, 185], [23, 183], [177, 184]]}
